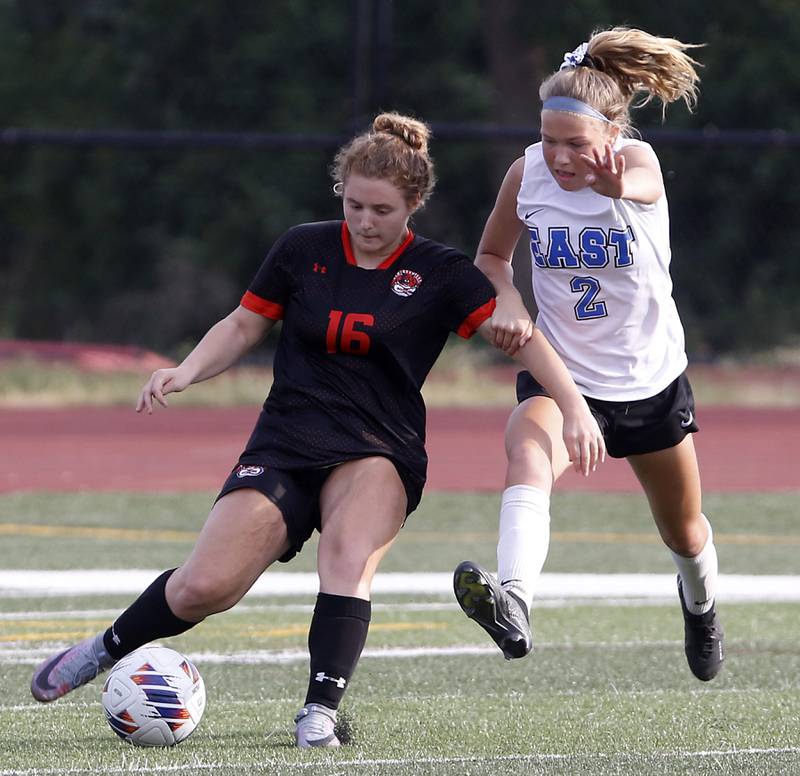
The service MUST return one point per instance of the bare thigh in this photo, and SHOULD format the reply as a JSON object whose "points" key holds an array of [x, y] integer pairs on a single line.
{"points": [[243, 535], [671, 481], [535, 449], [363, 506]]}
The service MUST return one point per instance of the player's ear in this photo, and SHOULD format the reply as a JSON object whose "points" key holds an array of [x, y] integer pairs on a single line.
{"points": [[414, 203]]}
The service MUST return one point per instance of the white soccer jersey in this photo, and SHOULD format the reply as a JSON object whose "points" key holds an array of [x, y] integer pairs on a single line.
{"points": [[602, 285]]}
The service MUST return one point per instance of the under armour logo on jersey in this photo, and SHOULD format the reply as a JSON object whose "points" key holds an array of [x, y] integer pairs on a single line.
{"points": [[323, 677], [406, 282], [319, 267]]}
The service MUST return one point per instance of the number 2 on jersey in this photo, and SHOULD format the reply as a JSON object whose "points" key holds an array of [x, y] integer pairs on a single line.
{"points": [[588, 307], [349, 339]]}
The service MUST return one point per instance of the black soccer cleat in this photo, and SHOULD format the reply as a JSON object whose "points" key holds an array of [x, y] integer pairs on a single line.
{"points": [[500, 613], [703, 640]]}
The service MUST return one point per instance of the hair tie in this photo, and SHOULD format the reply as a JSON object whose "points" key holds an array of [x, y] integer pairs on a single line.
{"points": [[591, 63], [574, 58]]}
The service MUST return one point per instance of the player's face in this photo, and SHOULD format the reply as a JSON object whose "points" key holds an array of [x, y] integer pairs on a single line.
{"points": [[377, 215], [565, 136]]}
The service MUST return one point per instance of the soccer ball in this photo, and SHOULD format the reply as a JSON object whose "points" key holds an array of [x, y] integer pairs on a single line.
{"points": [[154, 697]]}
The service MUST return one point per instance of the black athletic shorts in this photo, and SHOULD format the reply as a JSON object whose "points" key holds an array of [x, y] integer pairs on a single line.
{"points": [[635, 427], [296, 493]]}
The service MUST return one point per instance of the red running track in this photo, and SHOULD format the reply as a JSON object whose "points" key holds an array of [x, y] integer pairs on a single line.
{"points": [[193, 449]]}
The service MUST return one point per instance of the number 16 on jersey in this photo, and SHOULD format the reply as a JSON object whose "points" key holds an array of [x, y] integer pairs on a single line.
{"points": [[344, 337]]}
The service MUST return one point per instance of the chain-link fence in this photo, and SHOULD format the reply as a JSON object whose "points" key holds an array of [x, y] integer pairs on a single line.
{"points": [[148, 238]]}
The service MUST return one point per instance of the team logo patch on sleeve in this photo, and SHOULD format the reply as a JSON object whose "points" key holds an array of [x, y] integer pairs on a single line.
{"points": [[248, 471], [406, 282]]}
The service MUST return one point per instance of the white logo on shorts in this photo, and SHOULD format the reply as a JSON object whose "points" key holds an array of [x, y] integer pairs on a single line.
{"points": [[686, 422], [249, 471]]}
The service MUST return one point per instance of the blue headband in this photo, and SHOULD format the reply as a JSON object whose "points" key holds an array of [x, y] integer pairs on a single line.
{"points": [[571, 105]]}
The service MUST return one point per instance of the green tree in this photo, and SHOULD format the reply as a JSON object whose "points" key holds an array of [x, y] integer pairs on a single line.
{"points": [[120, 243]]}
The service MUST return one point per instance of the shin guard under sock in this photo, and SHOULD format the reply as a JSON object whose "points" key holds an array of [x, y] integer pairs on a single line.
{"points": [[147, 618], [699, 575], [524, 539], [335, 640]]}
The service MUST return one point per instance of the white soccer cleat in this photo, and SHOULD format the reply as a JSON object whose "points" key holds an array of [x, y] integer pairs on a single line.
{"points": [[315, 726]]}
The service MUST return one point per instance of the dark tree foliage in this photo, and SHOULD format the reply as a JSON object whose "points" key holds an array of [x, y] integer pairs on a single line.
{"points": [[152, 245]]}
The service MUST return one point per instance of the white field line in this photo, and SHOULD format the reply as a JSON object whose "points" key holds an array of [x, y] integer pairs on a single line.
{"points": [[32, 656], [700, 692], [396, 606], [732, 587], [89, 614], [340, 762], [301, 656]]}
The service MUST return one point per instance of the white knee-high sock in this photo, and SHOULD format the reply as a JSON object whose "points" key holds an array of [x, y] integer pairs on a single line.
{"points": [[524, 539], [699, 575]]}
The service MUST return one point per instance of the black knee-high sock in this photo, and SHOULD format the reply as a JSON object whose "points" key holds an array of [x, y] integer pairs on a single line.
{"points": [[335, 640], [148, 617]]}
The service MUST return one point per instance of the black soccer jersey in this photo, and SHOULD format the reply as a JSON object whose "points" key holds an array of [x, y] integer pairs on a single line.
{"points": [[357, 344]]}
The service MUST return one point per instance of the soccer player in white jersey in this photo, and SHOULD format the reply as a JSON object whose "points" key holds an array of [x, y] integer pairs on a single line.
{"points": [[592, 202]]}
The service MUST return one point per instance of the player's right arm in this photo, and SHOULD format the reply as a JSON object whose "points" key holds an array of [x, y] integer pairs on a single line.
{"points": [[221, 347], [511, 324], [582, 436]]}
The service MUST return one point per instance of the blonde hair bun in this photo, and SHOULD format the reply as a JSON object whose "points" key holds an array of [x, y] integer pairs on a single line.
{"points": [[415, 133], [396, 150]]}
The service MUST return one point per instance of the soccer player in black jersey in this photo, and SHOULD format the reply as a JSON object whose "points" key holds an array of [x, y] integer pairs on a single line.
{"points": [[366, 306]]}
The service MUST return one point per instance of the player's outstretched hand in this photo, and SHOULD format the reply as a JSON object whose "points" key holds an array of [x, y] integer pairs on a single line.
{"points": [[584, 440], [161, 382], [605, 172], [511, 326]]}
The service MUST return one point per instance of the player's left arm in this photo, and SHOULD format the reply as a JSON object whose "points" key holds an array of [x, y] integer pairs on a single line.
{"points": [[633, 173], [582, 436]]}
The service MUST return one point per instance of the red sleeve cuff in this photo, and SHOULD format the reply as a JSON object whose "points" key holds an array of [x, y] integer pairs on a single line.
{"points": [[472, 322], [256, 304]]}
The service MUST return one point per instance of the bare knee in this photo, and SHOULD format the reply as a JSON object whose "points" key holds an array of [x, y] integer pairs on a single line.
{"points": [[342, 565], [363, 505], [686, 538], [348, 559], [193, 596], [528, 463]]}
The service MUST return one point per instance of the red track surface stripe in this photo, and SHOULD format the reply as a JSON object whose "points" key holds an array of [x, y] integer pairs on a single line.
{"points": [[193, 449]]}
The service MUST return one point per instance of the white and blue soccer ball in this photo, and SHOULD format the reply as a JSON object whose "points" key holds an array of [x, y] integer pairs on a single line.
{"points": [[154, 697]]}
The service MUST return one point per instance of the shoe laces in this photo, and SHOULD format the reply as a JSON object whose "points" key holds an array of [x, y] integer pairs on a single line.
{"points": [[515, 609], [707, 634]]}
